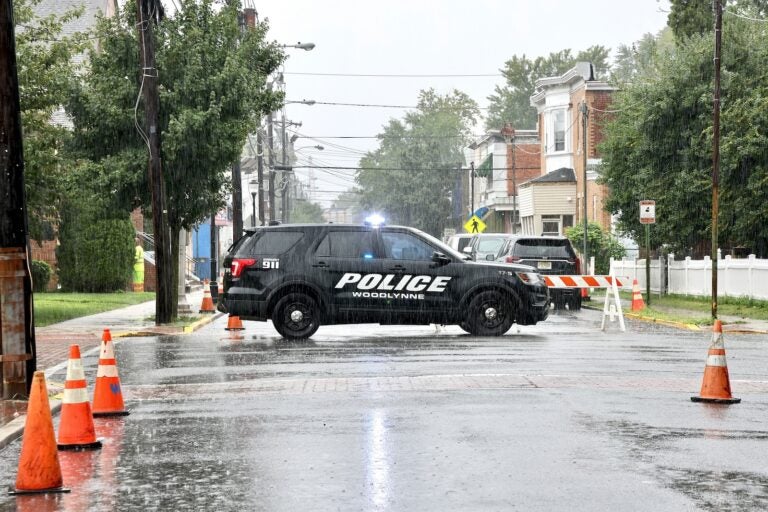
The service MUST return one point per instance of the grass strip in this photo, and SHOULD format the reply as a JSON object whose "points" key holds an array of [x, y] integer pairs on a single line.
{"points": [[51, 308]]}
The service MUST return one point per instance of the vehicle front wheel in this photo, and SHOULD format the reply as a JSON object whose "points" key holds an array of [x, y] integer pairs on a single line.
{"points": [[490, 314], [574, 303], [296, 316]]}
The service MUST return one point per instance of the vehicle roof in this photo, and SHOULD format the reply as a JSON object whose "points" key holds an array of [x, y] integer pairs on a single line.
{"points": [[280, 227]]}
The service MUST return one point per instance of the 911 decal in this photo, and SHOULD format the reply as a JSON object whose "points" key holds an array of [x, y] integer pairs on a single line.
{"points": [[270, 263], [379, 285]]}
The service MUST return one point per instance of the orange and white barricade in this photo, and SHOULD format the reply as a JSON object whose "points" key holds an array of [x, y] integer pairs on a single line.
{"points": [[608, 282]]}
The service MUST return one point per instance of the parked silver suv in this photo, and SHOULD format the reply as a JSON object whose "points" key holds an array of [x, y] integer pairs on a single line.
{"points": [[549, 255]]}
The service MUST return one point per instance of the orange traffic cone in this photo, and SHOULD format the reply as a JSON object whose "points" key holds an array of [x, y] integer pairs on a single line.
{"points": [[76, 430], [716, 386], [637, 297], [234, 324], [107, 395], [39, 469], [207, 305], [585, 294]]}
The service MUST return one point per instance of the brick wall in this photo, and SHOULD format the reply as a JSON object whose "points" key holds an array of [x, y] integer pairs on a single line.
{"points": [[527, 165], [47, 253]]}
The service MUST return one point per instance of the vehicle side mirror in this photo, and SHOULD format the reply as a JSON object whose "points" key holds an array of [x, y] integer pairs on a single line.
{"points": [[467, 249], [440, 258], [490, 257]]}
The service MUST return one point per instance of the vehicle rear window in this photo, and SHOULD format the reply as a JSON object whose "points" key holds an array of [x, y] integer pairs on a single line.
{"points": [[560, 249], [272, 242], [346, 244], [489, 244]]}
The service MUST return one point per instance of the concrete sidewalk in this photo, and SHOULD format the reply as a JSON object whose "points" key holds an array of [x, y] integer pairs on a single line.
{"points": [[731, 324], [53, 343]]}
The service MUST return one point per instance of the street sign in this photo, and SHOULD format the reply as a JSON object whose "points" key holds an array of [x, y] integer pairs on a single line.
{"points": [[475, 225], [648, 212]]}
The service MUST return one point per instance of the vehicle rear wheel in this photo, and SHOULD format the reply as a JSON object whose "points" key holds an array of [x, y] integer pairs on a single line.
{"points": [[490, 314], [296, 316], [574, 303], [559, 303]]}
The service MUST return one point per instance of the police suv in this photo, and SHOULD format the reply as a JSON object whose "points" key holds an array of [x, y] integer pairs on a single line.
{"points": [[302, 276]]}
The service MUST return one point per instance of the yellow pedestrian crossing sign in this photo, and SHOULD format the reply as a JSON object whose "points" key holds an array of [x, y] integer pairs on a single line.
{"points": [[475, 225]]}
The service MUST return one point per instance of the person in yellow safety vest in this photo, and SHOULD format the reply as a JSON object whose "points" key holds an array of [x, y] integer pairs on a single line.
{"points": [[138, 267]]}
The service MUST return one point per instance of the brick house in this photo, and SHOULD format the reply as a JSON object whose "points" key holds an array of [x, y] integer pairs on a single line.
{"points": [[506, 158], [560, 102]]}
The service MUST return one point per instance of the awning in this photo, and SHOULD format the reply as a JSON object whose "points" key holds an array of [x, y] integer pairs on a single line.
{"points": [[485, 169]]}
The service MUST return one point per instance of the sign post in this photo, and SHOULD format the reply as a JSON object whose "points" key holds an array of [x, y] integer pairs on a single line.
{"points": [[648, 217]]}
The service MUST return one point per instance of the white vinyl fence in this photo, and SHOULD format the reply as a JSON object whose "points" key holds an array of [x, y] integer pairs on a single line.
{"points": [[736, 277]]}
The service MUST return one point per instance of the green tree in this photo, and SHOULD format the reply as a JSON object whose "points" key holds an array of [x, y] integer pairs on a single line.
{"points": [[603, 246], [213, 87], [658, 145], [409, 177], [511, 102], [304, 211], [696, 17], [46, 71]]}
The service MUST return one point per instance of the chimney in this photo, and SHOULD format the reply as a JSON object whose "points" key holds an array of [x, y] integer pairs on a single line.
{"points": [[250, 17]]}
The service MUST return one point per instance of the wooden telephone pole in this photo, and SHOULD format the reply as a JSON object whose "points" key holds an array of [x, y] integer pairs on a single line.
{"points": [[147, 12], [17, 332]]}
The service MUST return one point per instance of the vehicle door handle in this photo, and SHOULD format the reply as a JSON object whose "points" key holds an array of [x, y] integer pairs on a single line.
{"points": [[398, 268], [320, 264]]}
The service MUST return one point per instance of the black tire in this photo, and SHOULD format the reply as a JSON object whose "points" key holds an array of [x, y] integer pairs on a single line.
{"points": [[490, 314], [296, 316], [574, 303], [559, 303], [465, 327]]}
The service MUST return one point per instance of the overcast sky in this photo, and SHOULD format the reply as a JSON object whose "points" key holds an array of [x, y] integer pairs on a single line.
{"points": [[421, 37]]}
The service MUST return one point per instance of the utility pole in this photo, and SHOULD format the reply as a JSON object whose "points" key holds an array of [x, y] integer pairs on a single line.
{"points": [[286, 177], [214, 286], [146, 9], [17, 333], [471, 188], [584, 115], [271, 165], [509, 136], [260, 175], [716, 150], [237, 201]]}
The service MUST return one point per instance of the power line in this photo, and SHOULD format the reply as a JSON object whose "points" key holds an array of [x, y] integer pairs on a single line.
{"points": [[381, 75], [379, 105]]}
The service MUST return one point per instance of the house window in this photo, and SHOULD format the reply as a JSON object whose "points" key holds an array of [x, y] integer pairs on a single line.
{"points": [[559, 130], [550, 225]]}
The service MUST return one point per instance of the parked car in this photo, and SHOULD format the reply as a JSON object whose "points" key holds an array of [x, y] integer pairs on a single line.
{"points": [[486, 246], [549, 255], [303, 275], [459, 241]]}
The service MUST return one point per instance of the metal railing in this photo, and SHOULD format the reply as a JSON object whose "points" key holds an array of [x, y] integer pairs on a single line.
{"points": [[149, 255]]}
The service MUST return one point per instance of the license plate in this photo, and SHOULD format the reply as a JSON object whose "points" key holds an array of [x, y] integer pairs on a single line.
{"points": [[544, 265]]}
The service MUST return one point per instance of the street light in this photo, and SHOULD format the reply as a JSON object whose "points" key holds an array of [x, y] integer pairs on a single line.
{"points": [[317, 147], [253, 188], [300, 102], [301, 46]]}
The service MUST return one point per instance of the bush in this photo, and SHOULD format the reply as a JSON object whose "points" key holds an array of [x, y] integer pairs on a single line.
{"points": [[41, 275], [600, 244], [95, 256]]}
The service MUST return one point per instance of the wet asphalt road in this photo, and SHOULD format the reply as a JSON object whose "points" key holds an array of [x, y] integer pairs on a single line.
{"points": [[559, 416]]}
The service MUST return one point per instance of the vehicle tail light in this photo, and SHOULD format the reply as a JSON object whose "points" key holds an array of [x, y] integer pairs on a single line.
{"points": [[512, 259], [578, 265], [240, 264]]}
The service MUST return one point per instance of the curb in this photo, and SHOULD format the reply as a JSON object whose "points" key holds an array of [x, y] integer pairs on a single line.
{"points": [[187, 329], [15, 428], [669, 323]]}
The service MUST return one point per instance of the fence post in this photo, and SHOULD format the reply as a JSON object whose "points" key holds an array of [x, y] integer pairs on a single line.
{"points": [[750, 266]]}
